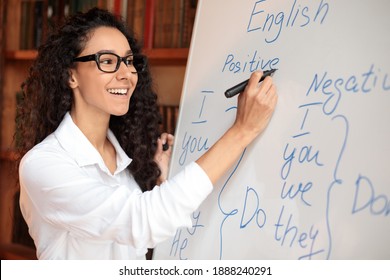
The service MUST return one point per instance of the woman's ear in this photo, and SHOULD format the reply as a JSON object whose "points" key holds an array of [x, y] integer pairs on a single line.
{"points": [[72, 80]]}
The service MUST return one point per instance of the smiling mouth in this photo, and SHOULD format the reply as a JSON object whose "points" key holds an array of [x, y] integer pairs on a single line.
{"points": [[117, 91]]}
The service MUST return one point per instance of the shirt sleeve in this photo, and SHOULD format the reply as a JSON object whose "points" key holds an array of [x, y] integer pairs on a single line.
{"points": [[64, 196]]}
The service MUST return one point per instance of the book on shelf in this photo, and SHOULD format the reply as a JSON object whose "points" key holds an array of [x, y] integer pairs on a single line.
{"points": [[169, 115], [136, 17], [173, 19], [117, 7], [31, 27], [189, 13]]}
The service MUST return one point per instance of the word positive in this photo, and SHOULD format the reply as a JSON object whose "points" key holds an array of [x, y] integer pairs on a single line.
{"points": [[252, 62]]}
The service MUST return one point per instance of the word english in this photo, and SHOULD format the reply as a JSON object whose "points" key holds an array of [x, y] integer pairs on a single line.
{"points": [[298, 16]]}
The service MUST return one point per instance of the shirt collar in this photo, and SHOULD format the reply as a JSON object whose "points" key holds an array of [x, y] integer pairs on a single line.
{"points": [[78, 146]]}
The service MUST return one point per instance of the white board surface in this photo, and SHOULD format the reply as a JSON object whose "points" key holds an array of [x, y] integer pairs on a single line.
{"points": [[316, 183]]}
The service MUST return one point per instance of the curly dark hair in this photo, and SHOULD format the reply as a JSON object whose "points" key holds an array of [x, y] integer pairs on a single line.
{"points": [[47, 96]]}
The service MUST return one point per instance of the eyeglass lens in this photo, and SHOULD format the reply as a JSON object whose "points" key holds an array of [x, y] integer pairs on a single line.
{"points": [[110, 62]]}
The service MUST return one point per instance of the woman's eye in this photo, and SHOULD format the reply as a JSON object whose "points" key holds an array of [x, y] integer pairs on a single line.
{"points": [[129, 62], [106, 61]]}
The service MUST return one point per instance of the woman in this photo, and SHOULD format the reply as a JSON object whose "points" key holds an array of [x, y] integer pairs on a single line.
{"points": [[92, 151]]}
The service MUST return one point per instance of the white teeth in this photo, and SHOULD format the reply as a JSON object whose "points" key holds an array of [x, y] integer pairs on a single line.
{"points": [[117, 91]]}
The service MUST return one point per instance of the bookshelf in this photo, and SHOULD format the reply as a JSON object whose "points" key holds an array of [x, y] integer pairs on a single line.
{"points": [[159, 56], [146, 18]]}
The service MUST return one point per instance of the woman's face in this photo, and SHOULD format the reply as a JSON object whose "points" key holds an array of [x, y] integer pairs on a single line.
{"points": [[98, 92]]}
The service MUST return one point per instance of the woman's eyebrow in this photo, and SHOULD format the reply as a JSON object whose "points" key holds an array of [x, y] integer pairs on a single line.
{"points": [[106, 51], [129, 52]]}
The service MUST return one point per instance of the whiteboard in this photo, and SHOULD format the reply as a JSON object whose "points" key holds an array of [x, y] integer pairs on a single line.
{"points": [[316, 183]]}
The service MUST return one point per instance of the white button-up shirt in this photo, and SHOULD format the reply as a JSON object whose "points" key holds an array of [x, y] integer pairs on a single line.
{"points": [[76, 209]]}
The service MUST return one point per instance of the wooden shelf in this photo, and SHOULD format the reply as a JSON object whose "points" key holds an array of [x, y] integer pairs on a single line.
{"points": [[21, 55], [176, 56]]}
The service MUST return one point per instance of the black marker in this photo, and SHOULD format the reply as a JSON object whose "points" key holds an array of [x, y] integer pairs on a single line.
{"points": [[165, 147], [233, 91]]}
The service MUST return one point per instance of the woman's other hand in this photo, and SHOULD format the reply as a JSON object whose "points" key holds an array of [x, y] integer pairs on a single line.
{"points": [[163, 155]]}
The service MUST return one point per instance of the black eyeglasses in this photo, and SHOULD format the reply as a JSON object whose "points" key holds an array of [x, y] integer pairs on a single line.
{"points": [[110, 62]]}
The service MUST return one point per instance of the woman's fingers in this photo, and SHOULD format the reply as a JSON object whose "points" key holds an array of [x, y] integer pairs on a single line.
{"points": [[256, 104], [166, 141]]}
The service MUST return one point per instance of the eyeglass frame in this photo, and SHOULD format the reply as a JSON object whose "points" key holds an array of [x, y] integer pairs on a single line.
{"points": [[95, 57]]}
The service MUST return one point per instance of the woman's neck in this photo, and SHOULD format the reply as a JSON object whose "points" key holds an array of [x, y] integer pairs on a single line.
{"points": [[93, 127]]}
